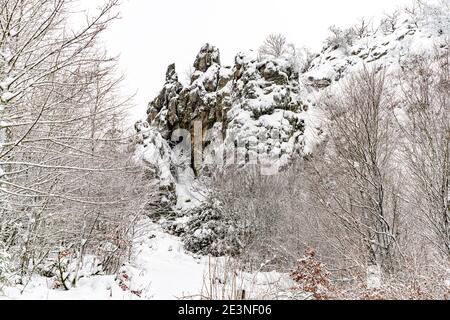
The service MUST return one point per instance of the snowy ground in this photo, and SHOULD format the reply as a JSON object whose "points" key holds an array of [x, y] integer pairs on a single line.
{"points": [[161, 269]]}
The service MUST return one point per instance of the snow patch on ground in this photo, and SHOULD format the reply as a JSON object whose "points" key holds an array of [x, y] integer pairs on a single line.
{"points": [[160, 269]]}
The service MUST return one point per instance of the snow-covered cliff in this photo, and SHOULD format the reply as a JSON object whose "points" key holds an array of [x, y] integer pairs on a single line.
{"points": [[262, 111]]}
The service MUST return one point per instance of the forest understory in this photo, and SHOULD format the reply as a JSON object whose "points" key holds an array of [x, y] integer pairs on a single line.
{"points": [[290, 174]]}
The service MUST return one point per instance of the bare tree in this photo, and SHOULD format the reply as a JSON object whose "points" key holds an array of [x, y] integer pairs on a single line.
{"points": [[363, 28], [414, 11], [426, 129], [307, 57], [340, 38], [67, 186], [274, 46], [389, 23], [353, 178]]}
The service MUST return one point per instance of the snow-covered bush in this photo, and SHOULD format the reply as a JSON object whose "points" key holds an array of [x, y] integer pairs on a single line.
{"points": [[306, 58], [389, 23], [276, 46], [340, 38], [412, 283], [210, 232], [223, 280]]}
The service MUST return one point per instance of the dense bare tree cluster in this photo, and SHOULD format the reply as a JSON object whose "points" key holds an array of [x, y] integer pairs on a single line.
{"points": [[426, 143], [373, 197], [67, 185], [372, 200]]}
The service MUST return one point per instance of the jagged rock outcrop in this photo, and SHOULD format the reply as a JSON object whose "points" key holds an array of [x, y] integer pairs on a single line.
{"points": [[204, 101], [253, 108], [258, 112], [251, 99], [179, 107]]}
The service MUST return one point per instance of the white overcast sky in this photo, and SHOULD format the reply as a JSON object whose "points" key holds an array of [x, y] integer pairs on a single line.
{"points": [[154, 33]]}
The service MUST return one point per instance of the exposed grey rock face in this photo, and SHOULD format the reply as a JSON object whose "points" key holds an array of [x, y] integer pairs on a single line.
{"points": [[178, 107], [252, 107], [251, 99], [207, 56]]}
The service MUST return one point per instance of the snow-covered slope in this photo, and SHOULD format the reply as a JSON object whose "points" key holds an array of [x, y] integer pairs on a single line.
{"points": [[419, 34], [159, 268]]}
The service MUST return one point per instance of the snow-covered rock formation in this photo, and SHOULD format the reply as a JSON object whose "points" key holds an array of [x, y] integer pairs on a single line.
{"points": [[243, 105], [410, 34], [260, 112]]}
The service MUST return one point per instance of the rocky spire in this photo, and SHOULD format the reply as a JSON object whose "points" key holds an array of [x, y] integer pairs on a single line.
{"points": [[171, 74], [207, 56]]}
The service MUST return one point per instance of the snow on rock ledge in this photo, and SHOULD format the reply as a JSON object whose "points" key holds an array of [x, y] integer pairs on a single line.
{"points": [[252, 110], [255, 104]]}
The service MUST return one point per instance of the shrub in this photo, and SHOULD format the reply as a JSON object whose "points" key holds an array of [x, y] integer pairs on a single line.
{"points": [[312, 277]]}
